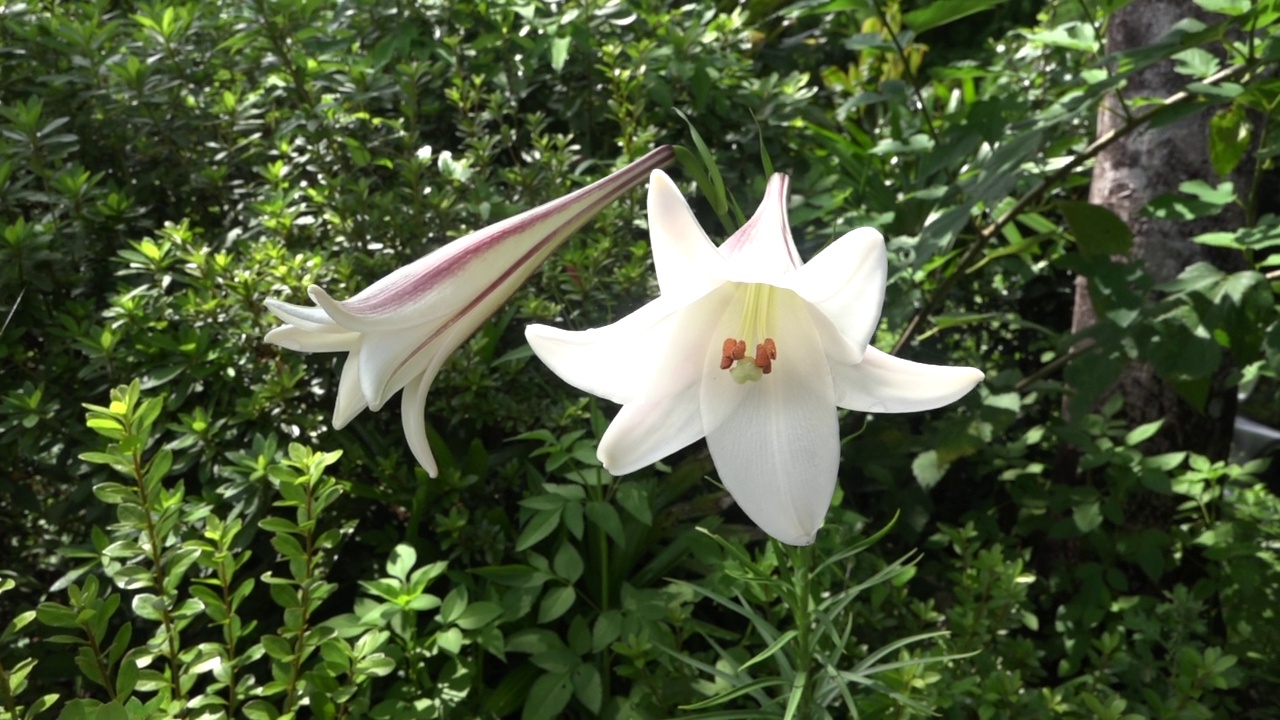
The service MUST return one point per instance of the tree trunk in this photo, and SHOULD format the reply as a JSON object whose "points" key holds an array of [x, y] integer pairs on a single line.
{"points": [[1127, 175]]}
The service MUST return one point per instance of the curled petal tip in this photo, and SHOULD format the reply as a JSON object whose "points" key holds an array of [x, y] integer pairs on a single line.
{"points": [[413, 404], [422, 453], [887, 384], [283, 338]]}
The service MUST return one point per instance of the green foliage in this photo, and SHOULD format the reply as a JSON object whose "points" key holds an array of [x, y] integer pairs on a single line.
{"points": [[188, 550]]}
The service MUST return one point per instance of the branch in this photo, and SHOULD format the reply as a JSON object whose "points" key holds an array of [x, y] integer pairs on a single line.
{"points": [[967, 260]]}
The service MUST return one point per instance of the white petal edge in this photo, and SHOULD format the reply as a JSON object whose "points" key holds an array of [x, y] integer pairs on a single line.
{"points": [[299, 339], [684, 258], [350, 402], [413, 410], [776, 441], [644, 433], [430, 307], [846, 282], [882, 383], [413, 403], [305, 317], [654, 352], [390, 360], [763, 249]]}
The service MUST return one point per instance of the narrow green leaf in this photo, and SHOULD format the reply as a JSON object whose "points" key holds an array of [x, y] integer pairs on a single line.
{"points": [[797, 694], [542, 524], [1225, 7], [739, 691], [941, 12], [88, 664], [768, 652], [126, 678], [1142, 433]]}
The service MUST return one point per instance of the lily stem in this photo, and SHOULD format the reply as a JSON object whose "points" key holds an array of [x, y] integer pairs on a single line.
{"points": [[802, 564]]}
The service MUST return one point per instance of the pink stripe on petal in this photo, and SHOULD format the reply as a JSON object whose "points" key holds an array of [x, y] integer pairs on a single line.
{"points": [[405, 286], [759, 237]]}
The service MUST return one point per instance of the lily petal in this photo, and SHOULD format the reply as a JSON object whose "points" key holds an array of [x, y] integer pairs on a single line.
{"points": [[846, 282], [652, 353], [384, 355], [300, 339], [644, 433], [413, 401], [763, 249], [477, 265], [350, 402], [882, 383], [776, 442], [413, 404], [306, 317], [683, 256]]}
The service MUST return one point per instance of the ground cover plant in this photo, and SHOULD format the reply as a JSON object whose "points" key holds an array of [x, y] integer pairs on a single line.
{"points": [[1078, 198]]}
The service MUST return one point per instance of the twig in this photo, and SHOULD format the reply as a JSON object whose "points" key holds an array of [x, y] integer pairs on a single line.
{"points": [[1054, 365], [12, 310], [911, 76]]}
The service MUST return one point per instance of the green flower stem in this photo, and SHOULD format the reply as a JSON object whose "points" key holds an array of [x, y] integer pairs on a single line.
{"points": [[802, 581], [598, 493]]}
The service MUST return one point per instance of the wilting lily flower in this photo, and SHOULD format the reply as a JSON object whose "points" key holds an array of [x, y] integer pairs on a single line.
{"points": [[754, 350], [399, 331]]}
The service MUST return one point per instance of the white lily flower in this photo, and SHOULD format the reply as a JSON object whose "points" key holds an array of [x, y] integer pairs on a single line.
{"points": [[398, 331], [754, 350]]}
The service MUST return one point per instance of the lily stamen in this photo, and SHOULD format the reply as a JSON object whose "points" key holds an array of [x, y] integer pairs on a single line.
{"points": [[731, 351], [733, 357], [766, 353]]}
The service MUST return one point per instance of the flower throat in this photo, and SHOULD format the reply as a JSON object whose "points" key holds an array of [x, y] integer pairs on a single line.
{"points": [[733, 354]]}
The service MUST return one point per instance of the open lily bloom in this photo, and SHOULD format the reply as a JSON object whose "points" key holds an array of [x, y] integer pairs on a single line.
{"points": [[399, 331], [754, 350]]}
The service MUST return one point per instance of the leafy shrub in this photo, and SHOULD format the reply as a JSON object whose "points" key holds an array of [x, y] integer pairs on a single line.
{"points": [[165, 167]]}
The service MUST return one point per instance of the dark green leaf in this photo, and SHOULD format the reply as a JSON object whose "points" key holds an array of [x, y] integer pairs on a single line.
{"points": [[1097, 230], [606, 517], [548, 697], [556, 602], [542, 524], [941, 12]]}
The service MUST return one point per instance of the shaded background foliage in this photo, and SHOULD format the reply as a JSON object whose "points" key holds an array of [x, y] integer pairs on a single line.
{"points": [[164, 167]]}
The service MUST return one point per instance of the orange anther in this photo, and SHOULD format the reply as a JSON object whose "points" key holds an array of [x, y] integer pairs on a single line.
{"points": [[726, 353], [771, 348], [764, 357], [740, 350]]}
